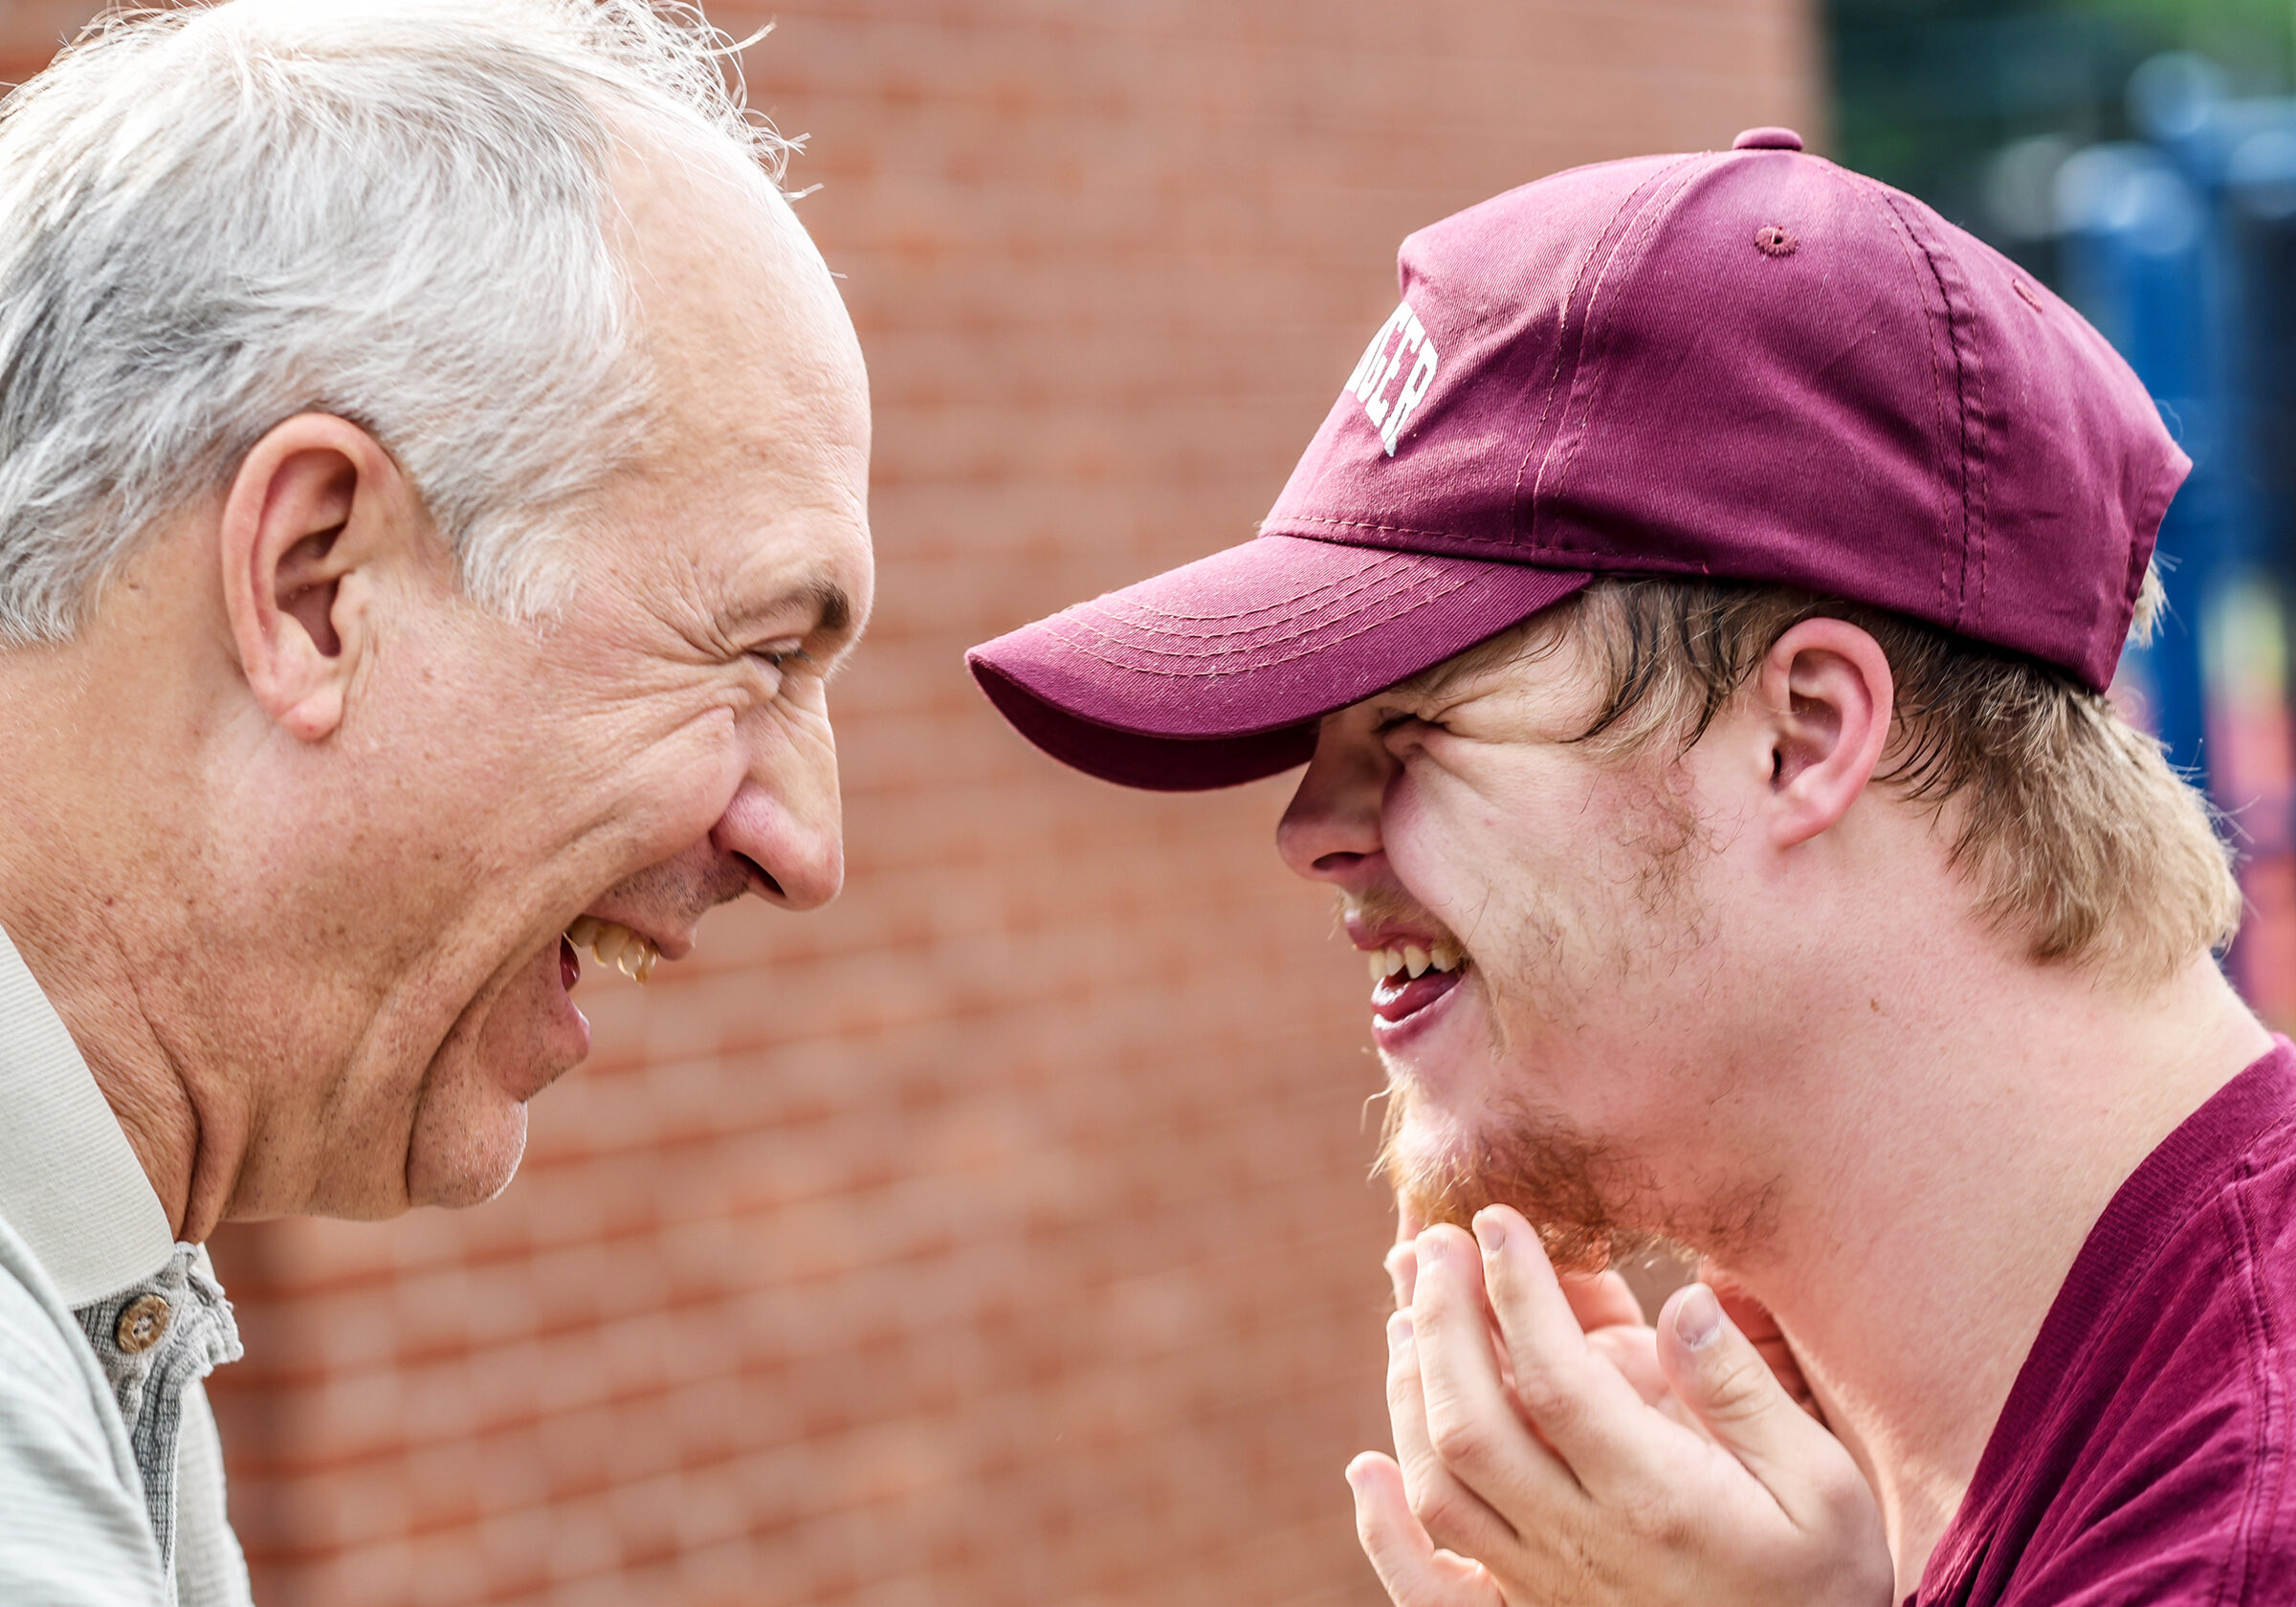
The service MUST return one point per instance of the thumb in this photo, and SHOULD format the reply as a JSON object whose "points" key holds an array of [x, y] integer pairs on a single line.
{"points": [[1719, 1375]]}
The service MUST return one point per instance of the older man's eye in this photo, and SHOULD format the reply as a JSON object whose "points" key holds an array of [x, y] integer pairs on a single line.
{"points": [[1396, 720], [780, 657]]}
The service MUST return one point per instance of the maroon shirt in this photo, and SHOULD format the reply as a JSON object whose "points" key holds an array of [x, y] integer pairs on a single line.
{"points": [[2143, 1456]]}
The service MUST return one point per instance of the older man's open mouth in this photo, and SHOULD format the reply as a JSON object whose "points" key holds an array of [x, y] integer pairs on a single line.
{"points": [[633, 953]]}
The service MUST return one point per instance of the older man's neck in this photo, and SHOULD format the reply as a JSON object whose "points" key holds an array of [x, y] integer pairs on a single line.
{"points": [[1958, 1161], [74, 917]]}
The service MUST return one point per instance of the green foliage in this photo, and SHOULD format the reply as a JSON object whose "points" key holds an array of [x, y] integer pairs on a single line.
{"points": [[1926, 91]]}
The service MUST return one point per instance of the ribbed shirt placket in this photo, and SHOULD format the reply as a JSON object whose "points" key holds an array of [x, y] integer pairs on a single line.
{"points": [[155, 1339]]}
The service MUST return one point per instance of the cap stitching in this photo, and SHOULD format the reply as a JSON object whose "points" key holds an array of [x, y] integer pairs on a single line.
{"points": [[1353, 586], [1224, 644], [1323, 594], [1269, 664], [1384, 529], [1647, 225], [1562, 328], [1975, 464], [1977, 426], [1960, 334], [1980, 530], [1520, 515], [1608, 559], [1896, 227]]}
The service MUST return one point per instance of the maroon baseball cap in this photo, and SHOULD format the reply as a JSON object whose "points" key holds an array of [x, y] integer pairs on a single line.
{"points": [[1750, 364]]}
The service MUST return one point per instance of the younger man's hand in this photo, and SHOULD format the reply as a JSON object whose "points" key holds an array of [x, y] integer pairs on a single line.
{"points": [[1547, 1473]]}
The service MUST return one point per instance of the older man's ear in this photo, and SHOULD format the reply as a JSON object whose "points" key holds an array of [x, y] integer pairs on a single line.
{"points": [[315, 517]]}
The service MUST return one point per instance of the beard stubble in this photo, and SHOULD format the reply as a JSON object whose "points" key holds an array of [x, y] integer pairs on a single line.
{"points": [[1592, 1204]]}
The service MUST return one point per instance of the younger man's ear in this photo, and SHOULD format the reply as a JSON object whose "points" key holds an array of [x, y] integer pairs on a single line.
{"points": [[316, 511], [1828, 697]]}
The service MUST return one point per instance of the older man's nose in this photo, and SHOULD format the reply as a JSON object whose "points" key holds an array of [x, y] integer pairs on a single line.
{"points": [[793, 840], [1331, 831]]}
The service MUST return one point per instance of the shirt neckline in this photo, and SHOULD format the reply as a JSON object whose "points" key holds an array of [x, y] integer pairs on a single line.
{"points": [[2151, 1203], [70, 1183]]}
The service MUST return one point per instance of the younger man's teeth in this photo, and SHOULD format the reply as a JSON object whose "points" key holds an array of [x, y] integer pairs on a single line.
{"points": [[1443, 955], [615, 945]]}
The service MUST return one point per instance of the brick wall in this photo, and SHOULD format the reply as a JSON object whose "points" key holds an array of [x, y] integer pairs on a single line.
{"points": [[999, 1235]]}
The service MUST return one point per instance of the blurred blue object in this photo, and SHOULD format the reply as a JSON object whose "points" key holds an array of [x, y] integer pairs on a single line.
{"points": [[2174, 247], [2179, 247]]}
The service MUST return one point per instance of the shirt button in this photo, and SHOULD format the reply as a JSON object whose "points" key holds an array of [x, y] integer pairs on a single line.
{"points": [[141, 1324]]}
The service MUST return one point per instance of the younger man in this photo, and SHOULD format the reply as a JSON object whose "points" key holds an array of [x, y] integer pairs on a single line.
{"points": [[1695, 617]]}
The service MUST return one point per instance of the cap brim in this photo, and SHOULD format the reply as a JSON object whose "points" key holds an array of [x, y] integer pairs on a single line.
{"points": [[1215, 673]]}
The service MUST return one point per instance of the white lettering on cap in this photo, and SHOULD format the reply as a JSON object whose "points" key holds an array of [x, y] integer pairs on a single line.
{"points": [[1401, 336]]}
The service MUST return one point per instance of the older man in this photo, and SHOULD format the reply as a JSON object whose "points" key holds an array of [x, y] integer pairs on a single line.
{"points": [[1695, 617], [432, 475]]}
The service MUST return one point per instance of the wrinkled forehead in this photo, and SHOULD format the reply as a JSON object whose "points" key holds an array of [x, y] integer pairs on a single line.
{"points": [[737, 314], [759, 424]]}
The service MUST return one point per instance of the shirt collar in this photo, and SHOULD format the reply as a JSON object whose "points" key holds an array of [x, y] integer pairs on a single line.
{"points": [[70, 1184]]}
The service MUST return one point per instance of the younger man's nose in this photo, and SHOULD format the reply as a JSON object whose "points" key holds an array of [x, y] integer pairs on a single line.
{"points": [[1331, 830]]}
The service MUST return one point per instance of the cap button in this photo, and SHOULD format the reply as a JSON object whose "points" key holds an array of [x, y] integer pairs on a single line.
{"points": [[1767, 138]]}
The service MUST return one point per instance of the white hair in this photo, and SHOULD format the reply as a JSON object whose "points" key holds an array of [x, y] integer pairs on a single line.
{"points": [[399, 211]]}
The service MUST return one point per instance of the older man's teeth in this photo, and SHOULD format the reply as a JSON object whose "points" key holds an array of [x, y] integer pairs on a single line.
{"points": [[615, 945], [1415, 960], [1443, 956]]}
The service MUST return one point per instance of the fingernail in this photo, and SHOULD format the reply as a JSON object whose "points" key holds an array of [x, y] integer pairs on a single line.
{"points": [[1491, 1232], [1698, 1318], [1399, 1331]]}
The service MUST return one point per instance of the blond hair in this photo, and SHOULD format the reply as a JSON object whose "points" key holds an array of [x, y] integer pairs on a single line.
{"points": [[2068, 821]]}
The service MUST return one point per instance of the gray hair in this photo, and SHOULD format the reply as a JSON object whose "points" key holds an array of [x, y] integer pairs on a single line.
{"points": [[399, 211]]}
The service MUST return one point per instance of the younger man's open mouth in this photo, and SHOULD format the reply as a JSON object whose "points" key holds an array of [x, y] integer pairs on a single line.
{"points": [[1406, 978]]}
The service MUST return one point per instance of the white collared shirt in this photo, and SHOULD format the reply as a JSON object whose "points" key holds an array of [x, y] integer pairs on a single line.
{"points": [[111, 1474]]}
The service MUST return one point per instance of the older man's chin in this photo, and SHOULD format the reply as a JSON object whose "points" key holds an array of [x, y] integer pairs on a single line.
{"points": [[463, 1156], [470, 1128]]}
